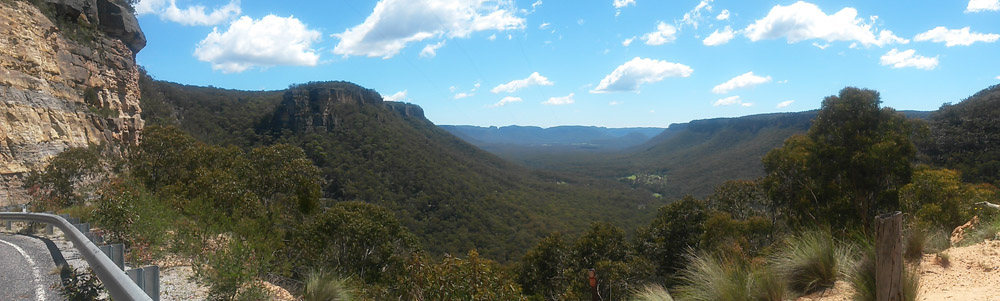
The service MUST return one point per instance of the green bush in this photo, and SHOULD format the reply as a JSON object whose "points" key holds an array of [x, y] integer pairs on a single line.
{"points": [[472, 278], [811, 261], [78, 286]]}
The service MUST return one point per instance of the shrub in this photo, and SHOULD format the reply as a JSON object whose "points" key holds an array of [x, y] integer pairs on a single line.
{"points": [[324, 286], [811, 261], [78, 286], [651, 292]]}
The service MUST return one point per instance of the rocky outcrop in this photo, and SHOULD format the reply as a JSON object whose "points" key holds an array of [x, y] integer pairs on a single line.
{"points": [[113, 18], [316, 107], [56, 93], [406, 109]]}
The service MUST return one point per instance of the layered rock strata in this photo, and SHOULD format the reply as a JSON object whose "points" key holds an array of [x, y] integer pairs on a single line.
{"points": [[61, 89]]}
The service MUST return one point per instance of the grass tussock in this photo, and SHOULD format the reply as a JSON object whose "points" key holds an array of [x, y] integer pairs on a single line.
{"points": [[325, 286], [651, 292], [812, 261], [862, 278], [727, 278], [985, 230], [914, 245]]}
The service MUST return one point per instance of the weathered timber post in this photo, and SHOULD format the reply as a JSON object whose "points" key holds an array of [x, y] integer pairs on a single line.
{"points": [[593, 285], [889, 257]]}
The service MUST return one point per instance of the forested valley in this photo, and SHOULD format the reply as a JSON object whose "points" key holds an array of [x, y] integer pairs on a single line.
{"points": [[325, 186]]}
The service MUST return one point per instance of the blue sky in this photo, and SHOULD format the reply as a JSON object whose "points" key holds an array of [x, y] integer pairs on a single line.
{"points": [[613, 63]]}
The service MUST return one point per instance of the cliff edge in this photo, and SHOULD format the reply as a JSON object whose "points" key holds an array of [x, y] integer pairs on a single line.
{"points": [[68, 78]]}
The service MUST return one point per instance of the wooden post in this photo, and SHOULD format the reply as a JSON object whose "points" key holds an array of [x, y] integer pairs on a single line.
{"points": [[889, 257], [593, 285]]}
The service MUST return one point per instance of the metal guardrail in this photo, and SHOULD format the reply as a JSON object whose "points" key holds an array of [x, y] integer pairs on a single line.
{"points": [[118, 284]]}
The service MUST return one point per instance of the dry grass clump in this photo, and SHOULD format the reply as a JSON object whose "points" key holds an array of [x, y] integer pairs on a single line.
{"points": [[324, 286], [651, 292], [726, 278], [812, 261]]}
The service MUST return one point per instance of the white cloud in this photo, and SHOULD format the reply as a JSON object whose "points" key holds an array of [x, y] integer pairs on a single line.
{"points": [[507, 100], [514, 85], [742, 81], [719, 37], [536, 4], [628, 41], [615, 103], [492, 37], [558, 101], [998, 77], [976, 6], [955, 37], [461, 95], [638, 71], [728, 101], [821, 46], [395, 23], [805, 21], [476, 86], [623, 3], [694, 16], [431, 49], [784, 104], [270, 41], [665, 33], [544, 25], [399, 96], [724, 15], [908, 58], [191, 15]]}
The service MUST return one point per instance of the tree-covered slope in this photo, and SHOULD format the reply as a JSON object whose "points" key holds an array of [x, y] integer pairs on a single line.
{"points": [[453, 196], [966, 136]]}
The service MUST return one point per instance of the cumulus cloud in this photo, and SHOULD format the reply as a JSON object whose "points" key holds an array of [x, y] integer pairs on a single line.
{"points": [[558, 101], [638, 71], [399, 96], [729, 101], [784, 104], [976, 6], [191, 15], [514, 85], [724, 15], [694, 16], [623, 3], [908, 58], [544, 25], [719, 37], [270, 41], [742, 81], [431, 49], [805, 21], [628, 41], [665, 33], [461, 95], [394, 24], [507, 100], [955, 37]]}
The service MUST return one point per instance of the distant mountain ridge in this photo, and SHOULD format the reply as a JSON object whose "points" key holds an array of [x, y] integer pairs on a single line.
{"points": [[585, 138]]}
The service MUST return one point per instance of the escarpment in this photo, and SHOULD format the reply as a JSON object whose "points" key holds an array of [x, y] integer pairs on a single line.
{"points": [[68, 78]]}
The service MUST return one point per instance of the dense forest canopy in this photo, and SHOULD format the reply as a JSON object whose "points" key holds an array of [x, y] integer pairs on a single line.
{"points": [[453, 196]]}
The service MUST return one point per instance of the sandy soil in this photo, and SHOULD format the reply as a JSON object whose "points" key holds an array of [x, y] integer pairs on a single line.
{"points": [[973, 274]]}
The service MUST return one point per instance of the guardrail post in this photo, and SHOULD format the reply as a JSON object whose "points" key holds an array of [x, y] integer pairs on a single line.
{"points": [[49, 229], [10, 224], [151, 285], [116, 252], [148, 279]]}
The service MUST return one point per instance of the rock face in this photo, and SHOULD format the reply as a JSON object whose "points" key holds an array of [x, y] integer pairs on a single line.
{"points": [[56, 93], [316, 107]]}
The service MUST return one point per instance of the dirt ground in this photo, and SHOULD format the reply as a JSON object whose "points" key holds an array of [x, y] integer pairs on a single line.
{"points": [[973, 274]]}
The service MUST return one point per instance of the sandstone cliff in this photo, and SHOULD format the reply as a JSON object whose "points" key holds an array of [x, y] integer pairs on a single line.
{"points": [[60, 90]]}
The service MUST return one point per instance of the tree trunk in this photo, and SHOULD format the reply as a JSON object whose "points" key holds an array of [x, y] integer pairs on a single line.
{"points": [[889, 257]]}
